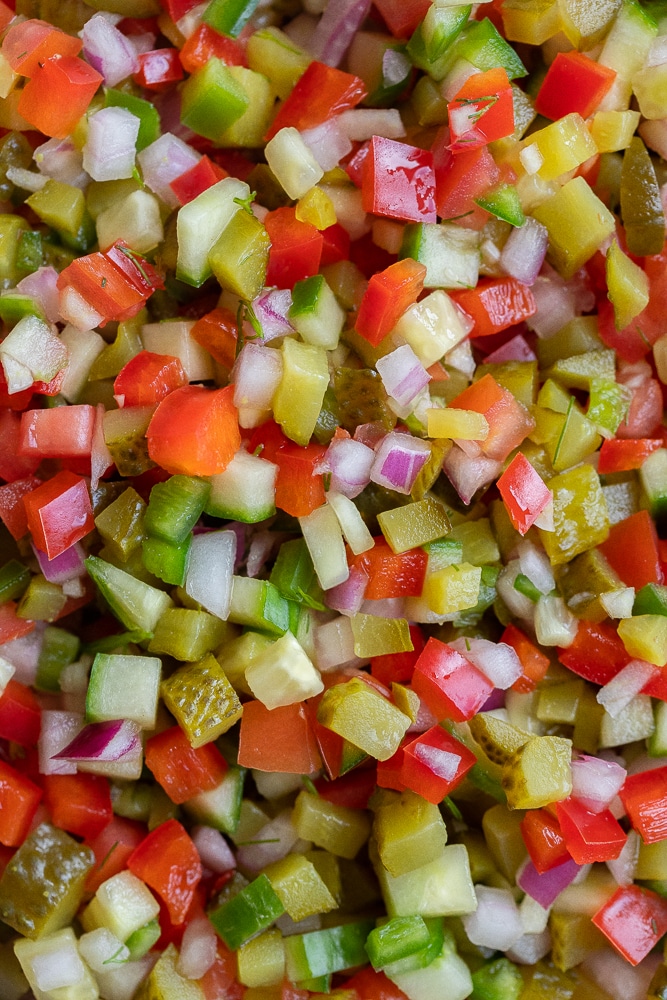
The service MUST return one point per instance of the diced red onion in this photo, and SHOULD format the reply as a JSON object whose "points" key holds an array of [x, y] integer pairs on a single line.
{"points": [[546, 887], [143, 42], [111, 144], [497, 661], [624, 867], [467, 475], [271, 843], [360, 124], [198, 948], [61, 160], [328, 143], [256, 376], [108, 50], [162, 162], [558, 302], [536, 566], [530, 948], [595, 782], [515, 349], [349, 463], [261, 546], [524, 252], [210, 569], [402, 373], [271, 310], [398, 460], [334, 644], [58, 729], [214, 851], [24, 654], [495, 700], [625, 686], [102, 741], [370, 434], [41, 286], [617, 978], [348, 596], [68, 565], [496, 923], [336, 29]]}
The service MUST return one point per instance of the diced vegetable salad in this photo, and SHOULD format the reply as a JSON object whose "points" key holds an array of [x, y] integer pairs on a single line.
{"points": [[333, 500]]}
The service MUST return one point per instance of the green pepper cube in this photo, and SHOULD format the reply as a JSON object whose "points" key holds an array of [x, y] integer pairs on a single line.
{"points": [[293, 573], [252, 910], [212, 99], [504, 203], [260, 605], [333, 949], [650, 600], [175, 506], [149, 119], [229, 17], [202, 700], [240, 256], [397, 939], [42, 886], [482, 44]]}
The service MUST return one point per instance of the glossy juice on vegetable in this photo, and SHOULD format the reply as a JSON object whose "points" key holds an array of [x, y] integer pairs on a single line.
{"points": [[333, 612]]}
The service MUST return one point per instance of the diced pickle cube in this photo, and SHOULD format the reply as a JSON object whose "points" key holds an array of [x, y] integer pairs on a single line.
{"points": [[360, 714], [409, 832], [538, 773], [299, 886], [203, 701], [337, 829]]}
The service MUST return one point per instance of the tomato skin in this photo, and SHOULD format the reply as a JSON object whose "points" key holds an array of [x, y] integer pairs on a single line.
{"points": [[623, 455], [20, 714], [79, 803], [574, 83], [14, 465], [372, 985], [495, 304], [59, 513], [597, 653], [58, 94], [168, 862], [644, 796], [12, 508], [321, 92], [182, 770], [197, 179], [589, 836], [147, 378], [402, 17], [61, 432], [524, 493], [422, 779], [194, 431], [388, 295], [19, 798], [392, 574], [11, 626], [278, 739], [399, 667], [631, 549], [460, 178], [451, 686], [543, 839], [115, 284], [399, 181], [217, 332], [533, 661], [31, 42]]}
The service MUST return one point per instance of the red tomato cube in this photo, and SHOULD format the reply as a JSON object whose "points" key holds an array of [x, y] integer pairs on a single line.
{"points": [[59, 513]]}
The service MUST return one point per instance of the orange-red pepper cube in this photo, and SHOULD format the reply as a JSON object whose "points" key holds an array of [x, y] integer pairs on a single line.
{"points": [[589, 836], [58, 94], [278, 739], [183, 770], [19, 798], [451, 686], [168, 862], [573, 84], [434, 764], [634, 920], [543, 839], [482, 110], [644, 796], [59, 513], [29, 43]]}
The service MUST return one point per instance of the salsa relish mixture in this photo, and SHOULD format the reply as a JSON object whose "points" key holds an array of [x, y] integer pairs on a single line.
{"points": [[333, 612]]}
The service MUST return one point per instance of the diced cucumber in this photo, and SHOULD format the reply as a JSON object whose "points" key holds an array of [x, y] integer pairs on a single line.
{"points": [[657, 741], [135, 604], [447, 978], [245, 491], [124, 687], [315, 312], [440, 888], [174, 507], [221, 806], [260, 605], [167, 561], [653, 477], [449, 253], [200, 224]]}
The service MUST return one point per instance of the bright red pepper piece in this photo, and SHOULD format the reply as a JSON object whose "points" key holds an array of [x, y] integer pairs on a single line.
{"points": [[177, 8], [618, 455], [19, 798], [59, 513], [280, 739], [451, 686], [79, 803], [112, 847], [206, 43], [574, 83], [634, 920], [335, 244], [116, 283], [435, 763], [195, 431], [402, 17], [399, 181], [482, 110], [524, 493], [352, 790], [596, 654], [631, 548], [392, 574], [58, 94], [181, 769], [321, 92], [299, 489], [495, 304], [168, 862], [644, 796], [12, 627], [13, 465], [388, 295], [147, 378], [158, 69], [197, 179], [296, 248], [59, 432], [543, 839], [589, 836], [371, 985], [12, 508], [399, 667], [460, 178]]}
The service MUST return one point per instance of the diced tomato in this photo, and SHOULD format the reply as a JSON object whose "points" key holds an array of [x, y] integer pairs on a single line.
{"points": [[399, 667], [533, 661], [335, 244], [388, 295], [631, 548], [197, 179], [158, 69], [482, 110], [112, 847], [116, 283], [644, 796], [181, 769], [79, 803], [509, 422], [13, 465], [495, 304], [12, 627], [524, 493], [147, 378], [19, 798], [319, 94], [543, 839], [435, 763], [635, 340], [220, 982], [352, 790], [58, 94], [451, 686], [389, 772], [617, 455], [460, 178], [644, 417], [279, 739], [267, 440], [206, 43], [20, 714], [392, 574], [13, 400], [371, 985], [354, 165], [402, 17], [399, 181], [59, 432], [29, 43], [574, 83], [217, 332], [12, 508], [299, 489], [633, 919], [194, 431], [296, 248], [178, 8], [168, 862], [589, 836], [59, 513]]}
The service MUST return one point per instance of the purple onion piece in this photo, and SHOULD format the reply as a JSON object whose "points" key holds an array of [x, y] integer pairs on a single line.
{"points": [[103, 741], [546, 887], [336, 29]]}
